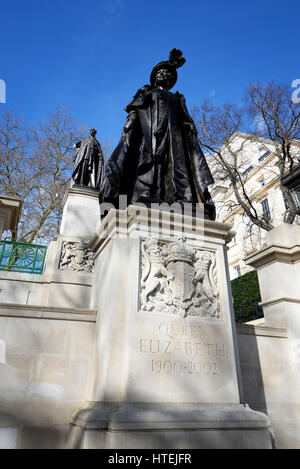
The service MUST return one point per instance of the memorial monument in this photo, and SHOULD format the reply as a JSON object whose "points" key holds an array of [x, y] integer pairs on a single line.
{"points": [[165, 370], [128, 339]]}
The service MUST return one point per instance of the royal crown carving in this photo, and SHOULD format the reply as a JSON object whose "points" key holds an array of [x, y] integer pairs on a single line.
{"points": [[180, 252], [178, 279]]}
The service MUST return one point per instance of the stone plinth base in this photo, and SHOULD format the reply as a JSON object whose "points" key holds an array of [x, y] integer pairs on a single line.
{"points": [[68, 274], [278, 268], [165, 370], [148, 426], [81, 212]]}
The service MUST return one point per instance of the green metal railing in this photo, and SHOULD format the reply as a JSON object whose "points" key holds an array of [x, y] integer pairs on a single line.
{"points": [[22, 257]]}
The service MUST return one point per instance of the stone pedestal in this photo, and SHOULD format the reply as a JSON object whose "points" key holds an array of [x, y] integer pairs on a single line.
{"points": [[81, 212], [278, 268], [165, 371], [69, 264]]}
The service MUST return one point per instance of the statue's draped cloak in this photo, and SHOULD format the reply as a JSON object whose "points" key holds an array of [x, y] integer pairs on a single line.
{"points": [[158, 157], [88, 163]]}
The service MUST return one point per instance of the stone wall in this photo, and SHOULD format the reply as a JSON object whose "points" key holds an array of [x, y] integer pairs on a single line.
{"points": [[44, 362], [278, 268], [270, 381], [48, 330], [65, 286]]}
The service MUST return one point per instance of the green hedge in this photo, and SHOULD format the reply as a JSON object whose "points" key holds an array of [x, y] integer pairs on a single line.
{"points": [[245, 288], [246, 296]]}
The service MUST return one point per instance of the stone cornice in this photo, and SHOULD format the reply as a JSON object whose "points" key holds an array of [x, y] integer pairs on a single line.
{"points": [[47, 312], [282, 299], [10, 208], [249, 329], [81, 191], [274, 253], [136, 219]]}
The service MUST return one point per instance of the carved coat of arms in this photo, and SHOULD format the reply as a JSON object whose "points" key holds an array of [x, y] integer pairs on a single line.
{"points": [[178, 279], [76, 256]]}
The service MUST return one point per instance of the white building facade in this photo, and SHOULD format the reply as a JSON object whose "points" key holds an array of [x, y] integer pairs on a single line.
{"points": [[260, 176]]}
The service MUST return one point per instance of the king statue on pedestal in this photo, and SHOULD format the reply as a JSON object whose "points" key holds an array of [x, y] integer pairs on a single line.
{"points": [[88, 162], [158, 158]]}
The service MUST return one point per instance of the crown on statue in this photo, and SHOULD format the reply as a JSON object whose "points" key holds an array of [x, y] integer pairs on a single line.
{"points": [[179, 251]]}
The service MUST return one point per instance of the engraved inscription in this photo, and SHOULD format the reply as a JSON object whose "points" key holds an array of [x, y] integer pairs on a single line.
{"points": [[182, 349], [182, 329], [171, 347], [168, 366]]}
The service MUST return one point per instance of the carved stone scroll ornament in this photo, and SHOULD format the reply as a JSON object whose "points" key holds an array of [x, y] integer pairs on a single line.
{"points": [[177, 279], [76, 256]]}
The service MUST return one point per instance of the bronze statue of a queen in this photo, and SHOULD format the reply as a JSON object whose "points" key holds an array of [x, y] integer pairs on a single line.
{"points": [[158, 158]]}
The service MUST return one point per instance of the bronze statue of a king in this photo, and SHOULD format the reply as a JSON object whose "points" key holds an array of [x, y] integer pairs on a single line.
{"points": [[158, 158], [88, 162]]}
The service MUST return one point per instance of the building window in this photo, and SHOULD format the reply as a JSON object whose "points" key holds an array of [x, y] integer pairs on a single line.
{"points": [[264, 156], [262, 182], [247, 171], [248, 225], [286, 204], [237, 271], [266, 210]]}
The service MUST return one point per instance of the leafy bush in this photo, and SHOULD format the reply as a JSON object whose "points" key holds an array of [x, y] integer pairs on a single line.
{"points": [[246, 296]]}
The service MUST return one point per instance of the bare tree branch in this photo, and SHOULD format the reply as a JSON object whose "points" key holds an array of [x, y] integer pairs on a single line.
{"points": [[277, 120], [36, 165]]}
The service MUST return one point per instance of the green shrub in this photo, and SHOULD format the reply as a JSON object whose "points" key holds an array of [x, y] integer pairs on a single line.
{"points": [[246, 296]]}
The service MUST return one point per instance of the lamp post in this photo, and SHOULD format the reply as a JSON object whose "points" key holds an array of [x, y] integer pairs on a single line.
{"points": [[292, 182]]}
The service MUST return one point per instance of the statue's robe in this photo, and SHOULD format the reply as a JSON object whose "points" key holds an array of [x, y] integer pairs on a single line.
{"points": [[88, 163], [158, 158]]}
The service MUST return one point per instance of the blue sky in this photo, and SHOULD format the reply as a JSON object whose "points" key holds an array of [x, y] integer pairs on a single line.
{"points": [[91, 56]]}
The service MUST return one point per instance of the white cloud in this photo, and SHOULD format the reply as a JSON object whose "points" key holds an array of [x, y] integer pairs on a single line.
{"points": [[258, 124], [2, 91]]}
